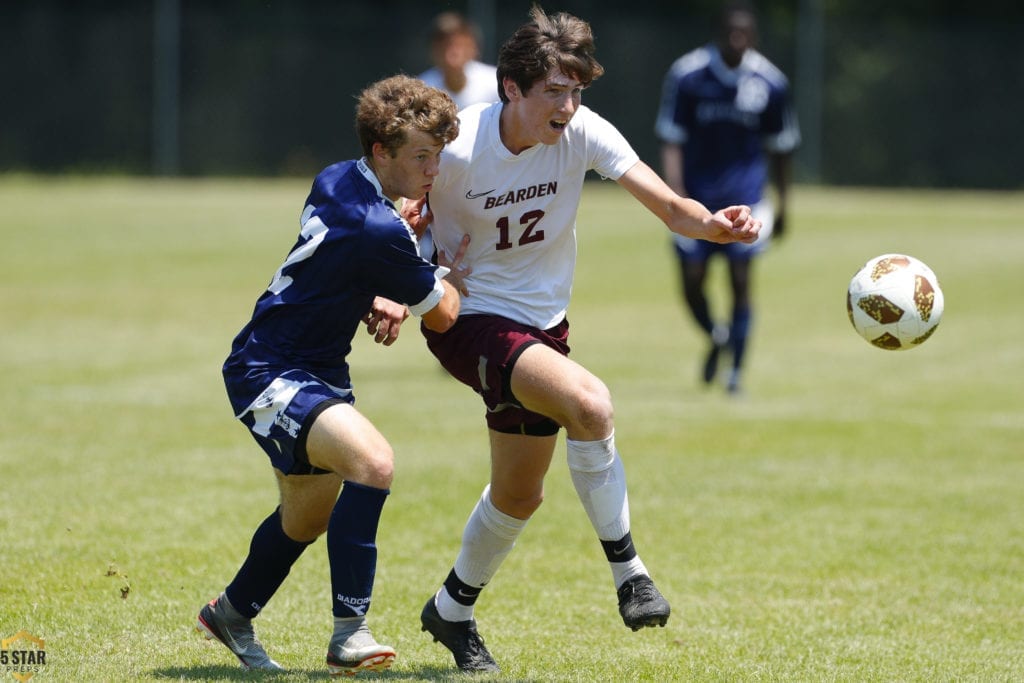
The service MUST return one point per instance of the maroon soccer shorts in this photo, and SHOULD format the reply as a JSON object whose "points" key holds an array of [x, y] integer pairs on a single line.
{"points": [[481, 350]]}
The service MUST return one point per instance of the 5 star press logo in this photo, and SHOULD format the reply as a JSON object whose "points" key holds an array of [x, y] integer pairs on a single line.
{"points": [[22, 655]]}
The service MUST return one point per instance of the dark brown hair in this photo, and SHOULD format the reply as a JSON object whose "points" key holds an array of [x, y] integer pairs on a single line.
{"points": [[561, 40]]}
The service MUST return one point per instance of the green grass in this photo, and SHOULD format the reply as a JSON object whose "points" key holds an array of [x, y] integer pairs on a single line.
{"points": [[856, 516]]}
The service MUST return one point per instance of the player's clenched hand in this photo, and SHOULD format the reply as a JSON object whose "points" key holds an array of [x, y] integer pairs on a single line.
{"points": [[458, 273], [384, 319], [734, 224], [417, 214]]}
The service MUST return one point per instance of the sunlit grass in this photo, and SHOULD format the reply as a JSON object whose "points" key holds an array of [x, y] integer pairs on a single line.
{"points": [[854, 516]]}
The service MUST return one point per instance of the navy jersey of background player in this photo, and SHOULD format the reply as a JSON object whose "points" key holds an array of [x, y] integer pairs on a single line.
{"points": [[353, 246], [725, 119]]}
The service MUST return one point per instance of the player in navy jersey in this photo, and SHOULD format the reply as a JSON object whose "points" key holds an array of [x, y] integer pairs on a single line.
{"points": [[356, 261], [512, 181], [726, 123]]}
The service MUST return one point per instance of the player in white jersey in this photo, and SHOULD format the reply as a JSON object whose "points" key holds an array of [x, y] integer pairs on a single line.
{"points": [[455, 52], [512, 181], [520, 210]]}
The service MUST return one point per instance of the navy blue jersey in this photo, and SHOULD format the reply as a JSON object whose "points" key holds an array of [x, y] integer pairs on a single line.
{"points": [[725, 119], [353, 246]]}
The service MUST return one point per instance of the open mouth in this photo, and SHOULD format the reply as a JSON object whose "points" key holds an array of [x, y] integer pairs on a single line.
{"points": [[559, 125]]}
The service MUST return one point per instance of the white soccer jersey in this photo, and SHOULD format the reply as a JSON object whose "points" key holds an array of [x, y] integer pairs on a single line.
{"points": [[481, 84], [520, 211]]}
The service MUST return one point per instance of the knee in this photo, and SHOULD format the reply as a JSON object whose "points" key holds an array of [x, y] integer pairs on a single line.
{"points": [[307, 526], [518, 505], [374, 467], [377, 470], [594, 412]]}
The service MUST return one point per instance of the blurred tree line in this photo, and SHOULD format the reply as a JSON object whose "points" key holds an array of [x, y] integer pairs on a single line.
{"points": [[909, 93]]}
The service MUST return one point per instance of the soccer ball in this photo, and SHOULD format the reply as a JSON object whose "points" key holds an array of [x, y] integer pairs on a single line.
{"points": [[894, 302]]}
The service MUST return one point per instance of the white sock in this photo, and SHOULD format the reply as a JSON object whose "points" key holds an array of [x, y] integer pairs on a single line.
{"points": [[600, 480], [599, 476], [487, 540], [627, 570]]}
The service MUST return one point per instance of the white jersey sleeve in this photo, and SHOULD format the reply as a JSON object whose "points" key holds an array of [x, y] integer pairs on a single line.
{"points": [[520, 210]]}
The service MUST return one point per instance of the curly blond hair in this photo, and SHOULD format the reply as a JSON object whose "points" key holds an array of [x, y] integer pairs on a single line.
{"points": [[388, 109]]}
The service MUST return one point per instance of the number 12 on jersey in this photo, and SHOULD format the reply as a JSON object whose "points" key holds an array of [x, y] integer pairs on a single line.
{"points": [[529, 234]]}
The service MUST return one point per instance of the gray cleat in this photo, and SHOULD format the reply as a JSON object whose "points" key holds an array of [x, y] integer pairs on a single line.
{"points": [[219, 619], [350, 653]]}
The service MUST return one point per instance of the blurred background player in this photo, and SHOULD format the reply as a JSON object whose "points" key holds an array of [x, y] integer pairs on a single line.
{"points": [[288, 378], [725, 117], [454, 50]]}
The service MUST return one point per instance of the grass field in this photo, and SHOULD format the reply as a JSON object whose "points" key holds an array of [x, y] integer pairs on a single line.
{"points": [[857, 515]]}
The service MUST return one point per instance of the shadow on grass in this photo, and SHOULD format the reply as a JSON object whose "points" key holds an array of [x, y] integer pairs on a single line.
{"points": [[234, 673], [220, 672]]}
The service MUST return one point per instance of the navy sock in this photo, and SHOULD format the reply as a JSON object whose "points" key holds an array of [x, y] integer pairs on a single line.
{"points": [[741, 321], [352, 549], [271, 556]]}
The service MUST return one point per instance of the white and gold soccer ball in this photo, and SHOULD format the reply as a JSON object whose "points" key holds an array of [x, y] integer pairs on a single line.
{"points": [[895, 302]]}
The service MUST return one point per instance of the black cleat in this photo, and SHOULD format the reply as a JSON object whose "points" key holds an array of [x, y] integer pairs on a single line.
{"points": [[641, 604], [461, 638]]}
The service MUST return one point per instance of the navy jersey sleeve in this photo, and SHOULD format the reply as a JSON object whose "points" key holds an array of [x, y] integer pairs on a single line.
{"points": [[779, 122], [393, 267]]}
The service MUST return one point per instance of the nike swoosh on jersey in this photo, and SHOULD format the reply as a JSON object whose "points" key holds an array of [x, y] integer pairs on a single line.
{"points": [[470, 195]]}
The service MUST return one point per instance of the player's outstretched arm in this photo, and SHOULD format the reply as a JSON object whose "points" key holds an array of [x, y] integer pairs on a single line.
{"points": [[686, 216], [743, 227]]}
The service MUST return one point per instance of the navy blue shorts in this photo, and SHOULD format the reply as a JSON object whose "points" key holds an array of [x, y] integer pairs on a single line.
{"points": [[690, 249], [481, 350], [280, 417]]}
